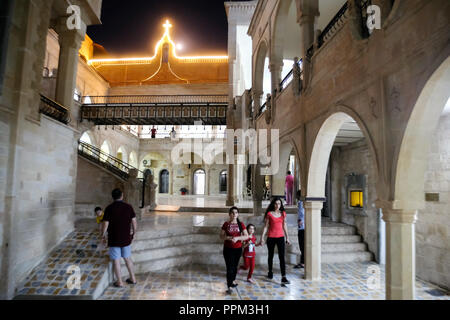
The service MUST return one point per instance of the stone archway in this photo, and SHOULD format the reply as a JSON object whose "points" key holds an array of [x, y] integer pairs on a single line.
{"points": [[316, 180], [409, 175]]}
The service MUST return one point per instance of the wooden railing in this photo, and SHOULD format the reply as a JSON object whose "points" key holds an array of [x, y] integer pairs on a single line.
{"points": [[54, 110]]}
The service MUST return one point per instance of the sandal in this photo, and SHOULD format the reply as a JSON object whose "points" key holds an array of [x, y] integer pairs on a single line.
{"points": [[130, 282], [115, 284]]}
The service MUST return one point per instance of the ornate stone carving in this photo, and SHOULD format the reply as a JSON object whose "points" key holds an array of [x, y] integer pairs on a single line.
{"points": [[373, 107], [296, 80], [395, 100]]}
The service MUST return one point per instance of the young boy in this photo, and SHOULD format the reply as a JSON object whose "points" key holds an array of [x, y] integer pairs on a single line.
{"points": [[99, 217], [249, 253]]}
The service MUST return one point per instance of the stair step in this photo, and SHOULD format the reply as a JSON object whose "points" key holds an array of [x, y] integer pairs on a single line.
{"points": [[345, 257]]}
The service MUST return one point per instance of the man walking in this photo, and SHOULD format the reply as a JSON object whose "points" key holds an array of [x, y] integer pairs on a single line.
{"points": [[301, 231], [119, 217]]}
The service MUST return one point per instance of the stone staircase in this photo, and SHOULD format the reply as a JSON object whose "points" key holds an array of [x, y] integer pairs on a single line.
{"points": [[161, 248]]}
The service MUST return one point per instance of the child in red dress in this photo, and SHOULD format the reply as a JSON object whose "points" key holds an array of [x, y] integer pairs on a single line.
{"points": [[249, 253]]}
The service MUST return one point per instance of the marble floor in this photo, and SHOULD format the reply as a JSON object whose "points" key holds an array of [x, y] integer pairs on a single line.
{"points": [[205, 282]]}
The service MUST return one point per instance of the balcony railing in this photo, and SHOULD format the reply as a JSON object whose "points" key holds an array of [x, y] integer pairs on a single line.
{"points": [[155, 99], [290, 76], [262, 109], [54, 110], [110, 163], [336, 22]]}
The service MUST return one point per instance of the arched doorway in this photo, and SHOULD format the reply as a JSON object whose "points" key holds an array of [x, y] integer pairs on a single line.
{"points": [[199, 185], [164, 181], [342, 143], [420, 188], [223, 181]]}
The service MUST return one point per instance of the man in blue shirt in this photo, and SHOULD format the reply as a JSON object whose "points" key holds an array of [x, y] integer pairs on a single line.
{"points": [[301, 231]]}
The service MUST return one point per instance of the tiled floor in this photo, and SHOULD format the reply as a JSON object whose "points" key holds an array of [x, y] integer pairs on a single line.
{"points": [[78, 249], [202, 282]]}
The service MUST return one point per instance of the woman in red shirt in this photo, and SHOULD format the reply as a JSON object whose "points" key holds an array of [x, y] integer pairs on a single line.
{"points": [[233, 233], [275, 223]]}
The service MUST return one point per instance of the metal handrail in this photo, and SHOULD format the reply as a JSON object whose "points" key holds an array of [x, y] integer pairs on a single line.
{"points": [[54, 110], [262, 108], [136, 99], [288, 78], [333, 23], [107, 161]]}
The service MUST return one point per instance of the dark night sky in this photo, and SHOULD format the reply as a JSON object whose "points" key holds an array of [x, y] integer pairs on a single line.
{"points": [[132, 27]]}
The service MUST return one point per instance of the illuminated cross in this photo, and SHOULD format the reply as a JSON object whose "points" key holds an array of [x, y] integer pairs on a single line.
{"points": [[167, 25]]}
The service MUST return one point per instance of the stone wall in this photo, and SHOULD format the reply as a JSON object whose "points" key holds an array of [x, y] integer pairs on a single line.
{"points": [[355, 158], [433, 223], [94, 186], [4, 152], [46, 172]]}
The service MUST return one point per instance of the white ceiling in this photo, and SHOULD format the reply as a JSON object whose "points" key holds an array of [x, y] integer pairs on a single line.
{"points": [[349, 133]]}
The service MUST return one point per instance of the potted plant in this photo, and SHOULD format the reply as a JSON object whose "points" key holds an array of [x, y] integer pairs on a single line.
{"points": [[183, 191]]}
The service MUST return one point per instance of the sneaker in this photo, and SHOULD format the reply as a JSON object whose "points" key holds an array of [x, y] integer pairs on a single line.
{"points": [[251, 280], [234, 285], [229, 291], [297, 266], [284, 280], [270, 275]]}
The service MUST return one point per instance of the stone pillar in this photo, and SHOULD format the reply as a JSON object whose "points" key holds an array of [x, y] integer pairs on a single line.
{"points": [[230, 185], [400, 254], [208, 181], [132, 192], [171, 174], [257, 189], [313, 239], [69, 42], [275, 71], [306, 21], [150, 190], [276, 68]]}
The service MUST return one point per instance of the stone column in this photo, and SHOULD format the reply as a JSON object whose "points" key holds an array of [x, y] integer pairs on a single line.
{"points": [[171, 174], [69, 42], [208, 180], [275, 68], [400, 254], [230, 185], [257, 189], [306, 20], [151, 193], [313, 239]]}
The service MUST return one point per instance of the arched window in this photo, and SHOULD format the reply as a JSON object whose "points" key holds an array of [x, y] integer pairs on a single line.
{"points": [[164, 181]]}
